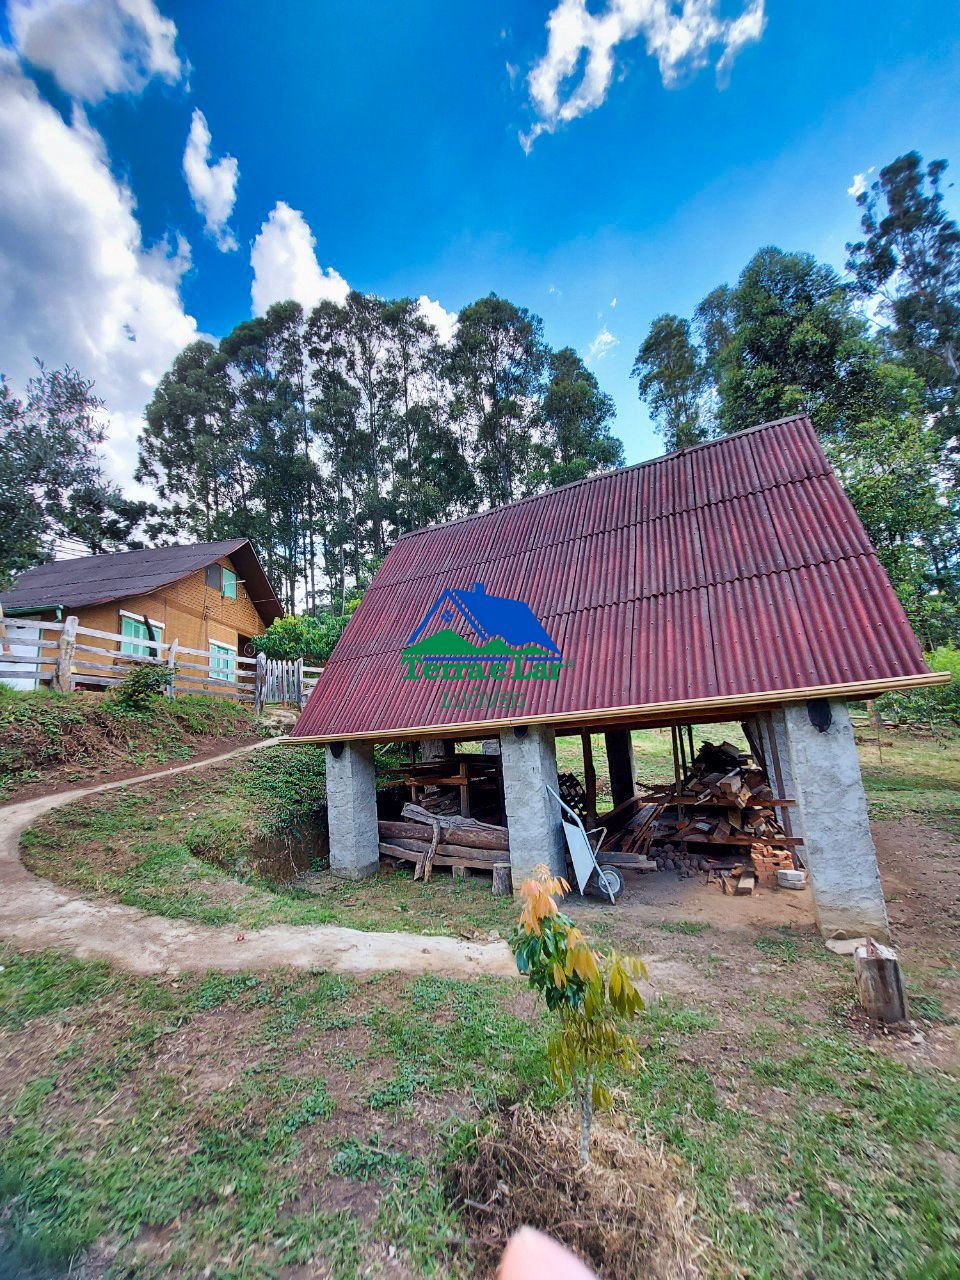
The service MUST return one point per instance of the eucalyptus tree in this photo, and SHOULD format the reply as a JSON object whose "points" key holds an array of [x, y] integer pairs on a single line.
{"points": [[191, 447], [907, 264], [672, 377], [577, 418], [431, 476], [496, 365]]}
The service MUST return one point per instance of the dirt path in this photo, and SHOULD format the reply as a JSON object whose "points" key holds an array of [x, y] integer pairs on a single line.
{"points": [[34, 913]]}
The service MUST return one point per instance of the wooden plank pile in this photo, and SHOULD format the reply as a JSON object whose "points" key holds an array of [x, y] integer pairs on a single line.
{"points": [[720, 816], [443, 840], [631, 828], [466, 784]]}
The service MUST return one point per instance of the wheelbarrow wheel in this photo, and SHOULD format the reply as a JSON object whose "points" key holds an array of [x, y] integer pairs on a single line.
{"points": [[608, 879]]}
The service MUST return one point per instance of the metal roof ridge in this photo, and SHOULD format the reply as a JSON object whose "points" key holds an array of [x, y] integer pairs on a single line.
{"points": [[603, 475]]}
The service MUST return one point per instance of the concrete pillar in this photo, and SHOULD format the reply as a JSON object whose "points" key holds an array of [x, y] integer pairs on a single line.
{"points": [[838, 848], [533, 816], [352, 811], [623, 771]]}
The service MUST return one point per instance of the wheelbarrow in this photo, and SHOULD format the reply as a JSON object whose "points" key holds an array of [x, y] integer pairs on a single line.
{"points": [[592, 878]]}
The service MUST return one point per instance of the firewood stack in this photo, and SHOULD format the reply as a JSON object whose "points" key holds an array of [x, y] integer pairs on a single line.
{"points": [[723, 816]]}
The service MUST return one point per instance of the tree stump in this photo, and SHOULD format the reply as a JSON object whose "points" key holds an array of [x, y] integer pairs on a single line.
{"points": [[502, 880], [876, 972]]}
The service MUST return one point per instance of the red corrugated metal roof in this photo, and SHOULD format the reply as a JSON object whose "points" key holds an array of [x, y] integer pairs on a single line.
{"points": [[734, 569]]}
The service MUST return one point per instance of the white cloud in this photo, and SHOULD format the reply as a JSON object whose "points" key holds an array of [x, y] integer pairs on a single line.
{"points": [[581, 47], [213, 185], [613, 302], [444, 321], [603, 343], [285, 265], [96, 47], [77, 283], [859, 184]]}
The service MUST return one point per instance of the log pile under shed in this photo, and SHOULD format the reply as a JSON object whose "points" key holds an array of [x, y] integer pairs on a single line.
{"points": [[721, 818], [429, 839]]}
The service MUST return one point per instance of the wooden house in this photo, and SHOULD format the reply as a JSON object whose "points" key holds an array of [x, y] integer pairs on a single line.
{"points": [[210, 596]]}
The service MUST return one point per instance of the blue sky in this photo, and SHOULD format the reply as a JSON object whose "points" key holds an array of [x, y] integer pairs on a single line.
{"points": [[394, 133]]}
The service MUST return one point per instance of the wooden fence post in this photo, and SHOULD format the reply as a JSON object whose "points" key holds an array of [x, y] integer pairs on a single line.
{"points": [[66, 650], [259, 682], [171, 665], [298, 684]]}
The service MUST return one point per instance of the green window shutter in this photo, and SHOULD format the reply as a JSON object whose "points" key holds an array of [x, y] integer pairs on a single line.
{"points": [[136, 639], [229, 584], [133, 633], [223, 662]]}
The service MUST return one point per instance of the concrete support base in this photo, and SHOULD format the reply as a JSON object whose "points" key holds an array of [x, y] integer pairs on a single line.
{"points": [[533, 816], [838, 848], [623, 770], [352, 812]]}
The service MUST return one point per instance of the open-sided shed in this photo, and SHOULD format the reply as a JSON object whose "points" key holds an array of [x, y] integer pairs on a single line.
{"points": [[728, 581]]}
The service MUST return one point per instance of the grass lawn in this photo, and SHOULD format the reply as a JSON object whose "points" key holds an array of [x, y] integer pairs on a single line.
{"points": [[301, 1125]]}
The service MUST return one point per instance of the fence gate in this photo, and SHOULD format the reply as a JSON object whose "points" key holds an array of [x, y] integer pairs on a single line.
{"points": [[279, 682]]}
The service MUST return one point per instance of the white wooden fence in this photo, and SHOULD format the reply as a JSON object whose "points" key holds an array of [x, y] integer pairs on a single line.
{"points": [[59, 655]]}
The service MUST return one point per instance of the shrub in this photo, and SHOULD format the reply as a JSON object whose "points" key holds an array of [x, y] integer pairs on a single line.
{"points": [[142, 686], [937, 704], [588, 993], [312, 639]]}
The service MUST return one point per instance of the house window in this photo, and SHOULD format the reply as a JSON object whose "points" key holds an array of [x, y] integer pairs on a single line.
{"points": [[222, 580], [223, 662], [136, 639]]}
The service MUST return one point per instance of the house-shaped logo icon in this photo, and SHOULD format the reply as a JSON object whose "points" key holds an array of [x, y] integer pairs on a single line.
{"points": [[504, 628]]}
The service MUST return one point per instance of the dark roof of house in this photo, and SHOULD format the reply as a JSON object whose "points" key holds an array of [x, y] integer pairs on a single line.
{"points": [[90, 580], [729, 574]]}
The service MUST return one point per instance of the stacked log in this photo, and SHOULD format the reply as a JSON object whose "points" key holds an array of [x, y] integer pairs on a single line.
{"points": [[463, 842]]}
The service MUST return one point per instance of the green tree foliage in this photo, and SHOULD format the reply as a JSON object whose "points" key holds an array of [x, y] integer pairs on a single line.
{"points": [[936, 705], [789, 338], [796, 345], [323, 437], [908, 264], [52, 485], [577, 418], [496, 368], [307, 637], [671, 376]]}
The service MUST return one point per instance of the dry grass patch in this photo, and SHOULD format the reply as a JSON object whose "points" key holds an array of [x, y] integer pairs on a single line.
{"points": [[627, 1214]]}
